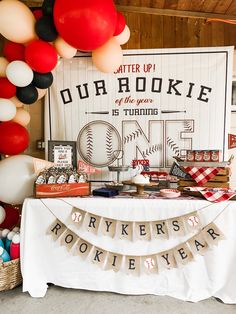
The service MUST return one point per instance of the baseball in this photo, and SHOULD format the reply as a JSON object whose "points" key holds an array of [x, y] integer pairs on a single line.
{"points": [[149, 263], [96, 143], [193, 221], [76, 217]]}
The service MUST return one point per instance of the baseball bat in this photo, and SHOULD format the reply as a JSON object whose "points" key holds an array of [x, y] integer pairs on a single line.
{"points": [[172, 111], [96, 112]]}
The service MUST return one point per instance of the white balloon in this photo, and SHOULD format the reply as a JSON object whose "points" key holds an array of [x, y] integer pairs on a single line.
{"points": [[2, 214], [19, 73], [7, 109], [124, 36], [16, 179]]}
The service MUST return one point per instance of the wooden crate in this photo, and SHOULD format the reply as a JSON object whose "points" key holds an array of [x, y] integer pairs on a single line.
{"points": [[62, 190]]}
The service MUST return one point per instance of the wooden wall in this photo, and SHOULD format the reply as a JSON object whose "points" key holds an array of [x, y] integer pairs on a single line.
{"points": [[156, 31], [152, 31]]}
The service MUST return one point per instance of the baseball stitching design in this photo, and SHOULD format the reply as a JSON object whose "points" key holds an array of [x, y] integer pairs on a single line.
{"points": [[188, 126], [131, 137], [151, 150], [109, 149], [89, 143], [173, 146]]}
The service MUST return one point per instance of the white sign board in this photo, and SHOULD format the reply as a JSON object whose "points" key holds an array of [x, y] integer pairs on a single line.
{"points": [[158, 104]]}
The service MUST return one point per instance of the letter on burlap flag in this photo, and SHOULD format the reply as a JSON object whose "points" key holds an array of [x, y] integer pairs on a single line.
{"points": [[93, 222], [108, 227], [212, 234], [159, 229], [125, 230], [98, 256], [114, 261], [198, 244], [83, 248], [182, 254], [68, 239], [176, 226], [132, 265], [56, 229], [166, 259], [142, 230]]}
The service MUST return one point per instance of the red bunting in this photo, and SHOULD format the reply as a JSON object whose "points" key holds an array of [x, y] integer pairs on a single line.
{"points": [[231, 141]]}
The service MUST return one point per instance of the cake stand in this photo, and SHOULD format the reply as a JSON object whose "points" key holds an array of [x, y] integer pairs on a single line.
{"points": [[140, 187]]}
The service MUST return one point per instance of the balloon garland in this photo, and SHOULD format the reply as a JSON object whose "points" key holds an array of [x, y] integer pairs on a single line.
{"points": [[35, 41]]}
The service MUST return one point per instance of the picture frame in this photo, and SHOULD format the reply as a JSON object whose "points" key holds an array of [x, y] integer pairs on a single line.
{"points": [[62, 153], [233, 101]]}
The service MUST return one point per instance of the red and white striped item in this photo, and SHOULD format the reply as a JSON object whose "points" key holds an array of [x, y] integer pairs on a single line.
{"points": [[214, 195], [202, 174]]}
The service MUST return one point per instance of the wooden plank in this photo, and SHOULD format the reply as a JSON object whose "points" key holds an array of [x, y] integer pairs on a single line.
{"points": [[208, 184], [179, 13], [215, 179], [146, 35], [157, 32], [222, 6], [193, 33], [232, 8], [218, 34], [133, 20], [169, 33]]}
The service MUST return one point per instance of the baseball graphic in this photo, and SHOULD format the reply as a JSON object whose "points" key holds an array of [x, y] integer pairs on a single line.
{"points": [[149, 263], [96, 143], [76, 217], [193, 221]]}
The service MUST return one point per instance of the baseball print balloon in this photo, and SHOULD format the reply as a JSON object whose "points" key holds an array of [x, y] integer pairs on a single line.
{"points": [[97, 142]]}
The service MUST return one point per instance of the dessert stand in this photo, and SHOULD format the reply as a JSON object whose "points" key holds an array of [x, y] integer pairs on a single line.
{"points": [[140, 187]]}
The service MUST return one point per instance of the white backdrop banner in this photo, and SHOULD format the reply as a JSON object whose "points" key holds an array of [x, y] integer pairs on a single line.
{"points": [[158, 104]]}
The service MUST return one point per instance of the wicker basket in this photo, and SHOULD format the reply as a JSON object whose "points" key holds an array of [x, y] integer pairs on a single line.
{"points": [[10, 275]]}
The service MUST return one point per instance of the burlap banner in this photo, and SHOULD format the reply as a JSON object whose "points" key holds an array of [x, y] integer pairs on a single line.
{"points": [[136, 264], [131, 230]]}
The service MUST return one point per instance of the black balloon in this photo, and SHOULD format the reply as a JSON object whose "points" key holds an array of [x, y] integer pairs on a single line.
{"points": [[45, 28], [28, 94], [42, 80], [47, 7]]}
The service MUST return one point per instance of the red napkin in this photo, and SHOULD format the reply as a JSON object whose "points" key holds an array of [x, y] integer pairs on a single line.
{"points": [[214, 195]]}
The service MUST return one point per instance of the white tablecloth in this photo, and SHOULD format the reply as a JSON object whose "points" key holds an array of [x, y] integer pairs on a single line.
{"points": [[45, 261]]}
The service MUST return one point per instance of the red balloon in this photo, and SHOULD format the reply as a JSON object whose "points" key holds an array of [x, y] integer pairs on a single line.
{"points": [[85, 24], [37, 13], [14, 138], [7, 89], [12, 217], [41, 56], [120, 24], [14, 51]]}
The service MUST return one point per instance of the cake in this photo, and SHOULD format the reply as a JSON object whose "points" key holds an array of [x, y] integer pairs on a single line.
{"points": [[140, 179]]}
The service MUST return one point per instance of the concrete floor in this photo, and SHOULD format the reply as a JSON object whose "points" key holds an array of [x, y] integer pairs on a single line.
{"points": [[59, 300]]}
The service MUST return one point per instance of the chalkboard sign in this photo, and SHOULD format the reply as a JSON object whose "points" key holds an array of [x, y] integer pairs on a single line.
{"points": [[178, 172]]}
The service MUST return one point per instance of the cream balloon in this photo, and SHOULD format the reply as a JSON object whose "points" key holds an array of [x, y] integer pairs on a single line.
{"points": [[16, 179], [22, 117], [7, 109], [2, 214], [124, 36], [41, 93], [19, 73], [17, 22], [3, 65], [108, 57], [17, 102], [63, 49]]}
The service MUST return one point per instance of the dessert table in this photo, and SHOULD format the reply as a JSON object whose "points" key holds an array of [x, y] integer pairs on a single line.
{"points": [[44, 260]]}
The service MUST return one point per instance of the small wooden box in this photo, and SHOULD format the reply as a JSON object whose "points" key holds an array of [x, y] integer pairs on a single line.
{"points": [[62, 190]]}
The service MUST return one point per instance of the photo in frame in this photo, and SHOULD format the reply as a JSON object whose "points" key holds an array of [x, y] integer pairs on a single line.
{"points": [[62, 153]]}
